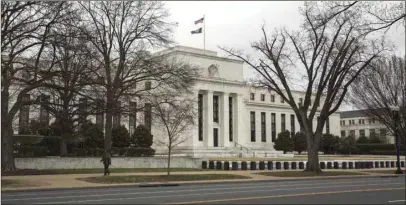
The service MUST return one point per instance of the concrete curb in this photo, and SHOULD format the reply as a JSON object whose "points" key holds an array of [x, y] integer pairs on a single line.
{"points": [[186, 183]]}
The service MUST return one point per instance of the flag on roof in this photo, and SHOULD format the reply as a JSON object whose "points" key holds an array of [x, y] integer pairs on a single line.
{"points": [[199, 21], [197, 31]]}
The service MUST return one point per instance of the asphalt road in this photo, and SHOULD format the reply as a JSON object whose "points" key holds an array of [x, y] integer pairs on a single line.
{"points": [[333, 191]]}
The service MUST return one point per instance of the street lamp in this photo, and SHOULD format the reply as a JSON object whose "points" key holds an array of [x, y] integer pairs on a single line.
{"points": [[396, 117]]}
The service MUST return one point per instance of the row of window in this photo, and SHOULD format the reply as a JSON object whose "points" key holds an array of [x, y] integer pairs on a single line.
{"points": [[360, 121], [273, 125], [252, 97], [382, 132], [215, 115]]}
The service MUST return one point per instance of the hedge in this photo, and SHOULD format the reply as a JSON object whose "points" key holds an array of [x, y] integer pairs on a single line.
{"points": [[31, 151], [369, 148], [124, 152]]}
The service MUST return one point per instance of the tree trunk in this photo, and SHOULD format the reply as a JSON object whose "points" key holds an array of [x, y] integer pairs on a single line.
{"points": [[8, 163], [313, 143], [7, 148], [64, 147], [109, 121], [169, 162]]}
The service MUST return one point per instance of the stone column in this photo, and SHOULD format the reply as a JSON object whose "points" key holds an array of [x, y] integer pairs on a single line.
{"points": [[208, 119], [224, 123], [239, 119]]}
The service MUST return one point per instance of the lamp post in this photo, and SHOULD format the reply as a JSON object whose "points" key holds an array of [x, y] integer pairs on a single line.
{"points": [[395, 113]]}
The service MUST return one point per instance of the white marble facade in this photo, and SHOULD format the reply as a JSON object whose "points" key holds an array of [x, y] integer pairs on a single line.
{"points": [[222, 79]]}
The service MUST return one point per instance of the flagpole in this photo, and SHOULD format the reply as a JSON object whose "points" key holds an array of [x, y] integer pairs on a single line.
{"points": [[204, 32]]}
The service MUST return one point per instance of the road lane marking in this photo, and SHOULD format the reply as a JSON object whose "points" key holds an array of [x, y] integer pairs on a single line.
{"points": [[210, 193], [287, 195], [171, 191], [394, 201], [272, 185]]}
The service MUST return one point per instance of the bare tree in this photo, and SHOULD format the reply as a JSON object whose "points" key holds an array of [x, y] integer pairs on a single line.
{"points": [[122, 32], [329, 52], [76, 64], [175, 116], [379, 88], [25, 31]]}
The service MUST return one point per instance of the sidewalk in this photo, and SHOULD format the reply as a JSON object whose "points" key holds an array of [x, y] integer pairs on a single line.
{"points": [[63, 181]]}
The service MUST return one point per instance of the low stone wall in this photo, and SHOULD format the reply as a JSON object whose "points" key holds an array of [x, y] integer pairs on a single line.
{"points": [[117, 162]]}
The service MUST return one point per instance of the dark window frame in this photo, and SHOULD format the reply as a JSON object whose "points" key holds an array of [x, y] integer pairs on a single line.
{"points": [[252, 125], [263, 127]]}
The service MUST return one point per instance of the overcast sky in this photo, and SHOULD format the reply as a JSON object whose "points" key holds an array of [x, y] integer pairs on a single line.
{"points": [[237, 23]]}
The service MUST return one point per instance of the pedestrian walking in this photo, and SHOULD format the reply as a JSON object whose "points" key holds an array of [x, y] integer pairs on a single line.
{"points": [[106, 159]]}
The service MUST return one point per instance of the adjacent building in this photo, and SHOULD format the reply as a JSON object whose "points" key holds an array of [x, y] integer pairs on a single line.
{"points": [[358, 123]]}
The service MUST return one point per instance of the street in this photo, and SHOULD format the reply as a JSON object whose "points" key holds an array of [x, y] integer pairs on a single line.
{"points": [[332, 191]]}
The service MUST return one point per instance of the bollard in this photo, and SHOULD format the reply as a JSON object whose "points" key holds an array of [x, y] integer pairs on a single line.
{"points": [[253, 165], [293, 165], [226, 165], [278, 165], [211, 164], [322, 165], [301, 165], [218, 165], [329, 165], [285, 165], [344, 165], [270, 165], [262, 165], [244, 165], [234, 165], [204, 165], [335, 165]]}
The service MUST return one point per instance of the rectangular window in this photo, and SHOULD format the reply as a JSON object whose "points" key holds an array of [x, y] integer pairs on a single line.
{"points": [[216, 108], [252, 126], [328, 125], [382, 132], [359, 121], [273, 126], [363, 121], [362, 133], [282, 100], [343, 122], [292, 125], [263, 128], [371, 132], [369, 121], [349, 122], [373, 120], [200, 116], [342, 133], [352, 133], [148, 85], [272, 98], [230, 117], [262, 97], [252, 96], [353, 122], [283, 125]]}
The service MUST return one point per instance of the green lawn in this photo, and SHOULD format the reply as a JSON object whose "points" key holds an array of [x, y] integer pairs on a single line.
{"points": [[159, 178], [308, 174], [91, 171]]}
